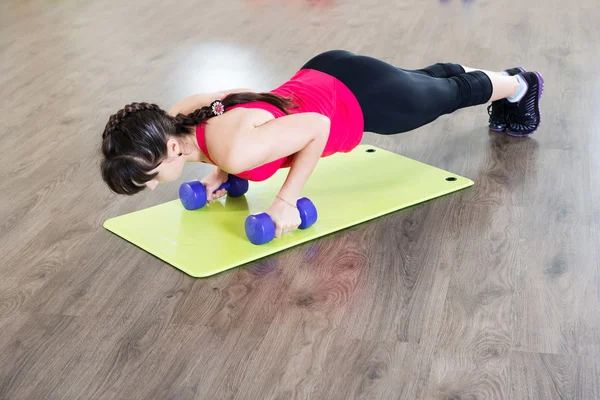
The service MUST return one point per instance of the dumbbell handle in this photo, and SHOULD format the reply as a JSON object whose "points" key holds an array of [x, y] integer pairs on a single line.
{"points": [[226, 186]]}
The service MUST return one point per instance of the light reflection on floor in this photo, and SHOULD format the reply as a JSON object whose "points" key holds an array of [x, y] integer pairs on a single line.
{"points": [[214, 66]]}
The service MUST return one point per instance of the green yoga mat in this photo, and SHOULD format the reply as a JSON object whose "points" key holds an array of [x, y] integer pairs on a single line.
{"points": [[346, 188]]}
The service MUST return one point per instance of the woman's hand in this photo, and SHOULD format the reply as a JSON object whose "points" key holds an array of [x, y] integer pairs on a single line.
{"points": [[285, 216], [215, 179]]}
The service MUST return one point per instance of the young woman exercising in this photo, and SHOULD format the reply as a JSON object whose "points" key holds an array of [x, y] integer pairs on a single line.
{"points": [[323, 109]]}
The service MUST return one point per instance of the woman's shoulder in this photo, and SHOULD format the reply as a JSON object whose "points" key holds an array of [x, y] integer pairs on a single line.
{"points": [[238, 119], [224, 131]]}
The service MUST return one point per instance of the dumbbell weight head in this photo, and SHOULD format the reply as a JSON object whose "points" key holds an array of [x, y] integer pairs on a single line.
{"points": [[237, 186], [193, 194], [260, 228]]}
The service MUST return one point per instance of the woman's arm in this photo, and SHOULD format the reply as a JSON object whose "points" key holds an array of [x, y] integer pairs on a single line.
{"points": [[302, 135], [283, 211]]}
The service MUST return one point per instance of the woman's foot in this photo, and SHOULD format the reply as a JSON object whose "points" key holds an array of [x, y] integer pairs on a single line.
{"points": [[497, 110], [524, 115]]}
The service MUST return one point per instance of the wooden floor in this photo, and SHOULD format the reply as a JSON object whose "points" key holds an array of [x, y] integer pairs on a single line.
{"points": [[489, 293]]}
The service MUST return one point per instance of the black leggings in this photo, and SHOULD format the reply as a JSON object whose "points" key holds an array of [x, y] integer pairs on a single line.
{"points": [[395, 100]]}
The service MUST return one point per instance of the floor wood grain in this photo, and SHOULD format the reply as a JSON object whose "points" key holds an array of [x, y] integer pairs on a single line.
{"points": [[490, 293]]}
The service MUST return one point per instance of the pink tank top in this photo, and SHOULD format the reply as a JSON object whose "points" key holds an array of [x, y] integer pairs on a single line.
{"points": [[312, 91]]}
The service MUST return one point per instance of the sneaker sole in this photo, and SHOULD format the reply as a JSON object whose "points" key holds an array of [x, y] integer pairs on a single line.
{"points": [[537, 106], [500, 130]]}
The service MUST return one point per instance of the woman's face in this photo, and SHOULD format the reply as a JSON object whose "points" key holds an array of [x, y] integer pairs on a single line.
{"points": [[171, 168]]}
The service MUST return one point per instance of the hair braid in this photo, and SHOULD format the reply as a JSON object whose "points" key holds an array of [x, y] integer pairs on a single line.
{"points": [[199, 116], [116, 118]]}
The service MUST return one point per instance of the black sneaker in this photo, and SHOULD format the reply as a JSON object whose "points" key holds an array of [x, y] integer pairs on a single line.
{"points": [[524, 116], [497, 110]]}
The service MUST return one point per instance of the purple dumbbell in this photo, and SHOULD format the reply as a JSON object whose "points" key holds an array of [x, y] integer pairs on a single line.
{"points": [[260, 228], [193, 193]]}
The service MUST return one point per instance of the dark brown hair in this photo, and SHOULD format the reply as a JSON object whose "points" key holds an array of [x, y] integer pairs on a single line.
{"points": [[134, 141]]}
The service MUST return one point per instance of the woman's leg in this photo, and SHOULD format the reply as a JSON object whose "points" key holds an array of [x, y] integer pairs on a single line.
{"points": [[448, 70], [504, 85], [394, 100], [439, 70], [469, 69], [323, 61]]}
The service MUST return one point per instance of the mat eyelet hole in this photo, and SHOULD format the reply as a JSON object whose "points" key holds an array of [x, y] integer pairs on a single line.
{"points": [[450, 179], [370, 150]]}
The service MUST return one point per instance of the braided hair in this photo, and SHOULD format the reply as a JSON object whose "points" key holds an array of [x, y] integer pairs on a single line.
{"points": [[134, 141]]}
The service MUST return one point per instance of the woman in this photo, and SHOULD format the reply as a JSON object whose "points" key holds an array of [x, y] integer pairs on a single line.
{"points": [[322, 110]]}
